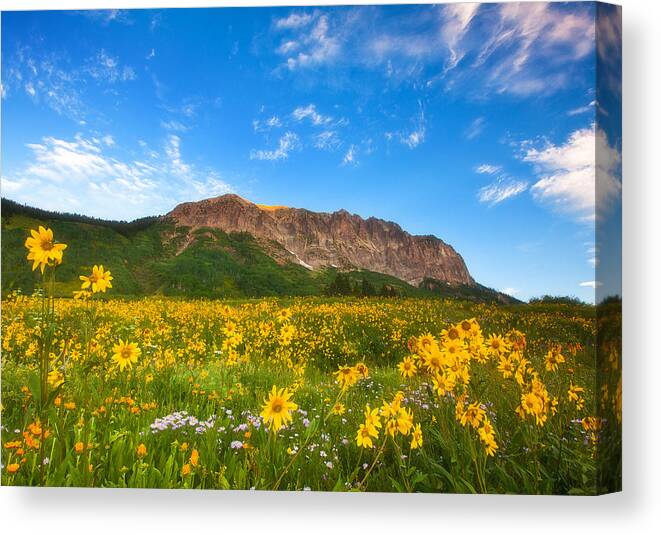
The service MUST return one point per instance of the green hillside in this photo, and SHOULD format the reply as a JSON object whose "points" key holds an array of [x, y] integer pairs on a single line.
{"points": [[151, 256]]}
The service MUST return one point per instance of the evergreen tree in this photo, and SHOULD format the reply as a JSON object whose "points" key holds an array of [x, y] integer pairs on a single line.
{"points": [[367, 289], [341, 285], [388, 291]]}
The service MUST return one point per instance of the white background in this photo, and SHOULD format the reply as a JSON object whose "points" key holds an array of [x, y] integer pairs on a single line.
{"points": [[636, 510]]}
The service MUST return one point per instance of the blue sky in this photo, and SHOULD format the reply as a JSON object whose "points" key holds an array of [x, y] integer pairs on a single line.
{"points": [[475, 123]]}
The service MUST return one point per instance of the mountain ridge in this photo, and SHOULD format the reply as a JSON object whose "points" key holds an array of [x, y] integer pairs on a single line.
{"points": [[154, 256], [331, 239]]}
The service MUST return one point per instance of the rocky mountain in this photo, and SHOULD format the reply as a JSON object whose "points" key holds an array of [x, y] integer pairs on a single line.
{"points": [[339, 239], [196, 252]]}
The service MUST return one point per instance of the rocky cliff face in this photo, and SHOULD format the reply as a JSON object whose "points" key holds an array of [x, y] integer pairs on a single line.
{"points": [[337, 239]]}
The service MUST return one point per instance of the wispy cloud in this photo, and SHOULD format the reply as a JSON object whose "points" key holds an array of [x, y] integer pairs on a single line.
{"points": [[173, 152], [590, 284], [582, 109], [415, 136], [60, 173], [174, 126], [298, 135], [310, 40], [501, 190], [488, 169], [510, 291], [520, 48], [531, 46], [609, 46], [456, 21], [288, 142], [46, 79], [310, 112], [105, 67], [569, 180], [475, 128], [266, 124], [49, 79], [592, 253], [108, 16], [351, 156], [294, 21], [327, 140]]}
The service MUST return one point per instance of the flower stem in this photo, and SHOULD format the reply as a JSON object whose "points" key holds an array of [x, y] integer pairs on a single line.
{"points": [[378, 455]]}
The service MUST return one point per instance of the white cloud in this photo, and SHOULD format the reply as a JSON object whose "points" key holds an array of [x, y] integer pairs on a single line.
{"points": [[327, 140], [175, 126], [310, 112], [510, 291], [487, 169], [350, 157], [456, 21], [313, 42], [78, 175], [287, 47], [530, 46], [45, 80], [590, 284], [578, 175], [416, 136], [30, 90], [173, 152], [521, 48], [288, 142], [385, 45], [189, 109], [583, 109], [294, 21], [155, 21], [106, 68], [475, 128], [108, 140], [49, 79], [273, 122], [107, 16], [152, 54], [501, 190], [609, 47], [266, 124]]}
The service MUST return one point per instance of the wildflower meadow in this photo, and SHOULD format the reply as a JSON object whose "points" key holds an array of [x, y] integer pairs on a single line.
{"points": [[329, 394]]}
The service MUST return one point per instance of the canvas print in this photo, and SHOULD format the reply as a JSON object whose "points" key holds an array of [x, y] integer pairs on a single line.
{"points": [[352, 248]]}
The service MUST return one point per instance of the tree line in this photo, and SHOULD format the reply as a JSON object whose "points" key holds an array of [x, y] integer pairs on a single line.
{"points": [[343, 285]]}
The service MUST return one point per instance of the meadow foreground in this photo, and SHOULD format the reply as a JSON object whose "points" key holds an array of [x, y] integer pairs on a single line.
{"points": [[307, 393]]}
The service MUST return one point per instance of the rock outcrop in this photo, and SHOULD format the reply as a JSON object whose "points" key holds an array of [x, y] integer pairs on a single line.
{"points": [[339, 239]]}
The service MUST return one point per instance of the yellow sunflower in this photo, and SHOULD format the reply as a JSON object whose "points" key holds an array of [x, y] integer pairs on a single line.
{"points": [[496, 345], [473, 415], [444, 382], [363, 437], [553, 359], [277, 408], [416, 437], [42, 250], [125, 354], [468, 327], [338, 409], [99, 280], [346, 376], [407, 367]]}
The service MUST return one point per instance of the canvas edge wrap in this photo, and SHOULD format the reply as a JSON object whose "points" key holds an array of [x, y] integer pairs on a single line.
{"points": [[608, 245]]}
